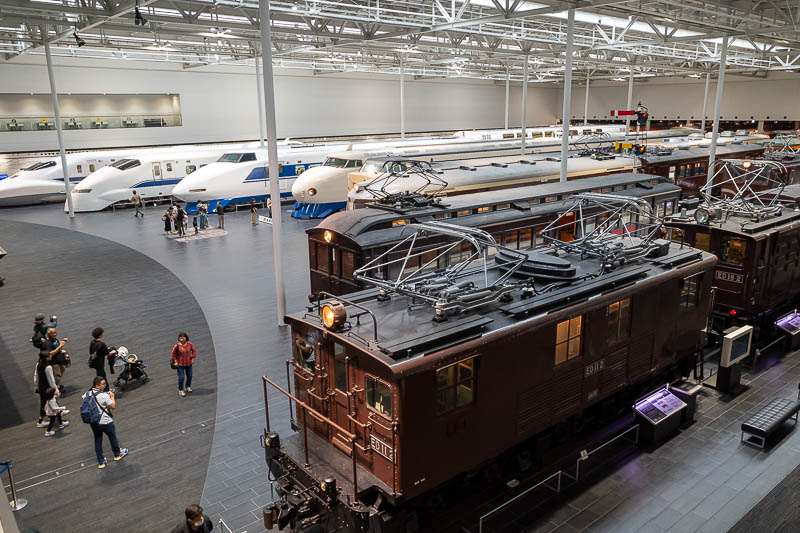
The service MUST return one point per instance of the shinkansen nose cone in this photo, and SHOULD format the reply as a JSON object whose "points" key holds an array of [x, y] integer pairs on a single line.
{"points": [[320, 185], [87, 195], [15, 191]]}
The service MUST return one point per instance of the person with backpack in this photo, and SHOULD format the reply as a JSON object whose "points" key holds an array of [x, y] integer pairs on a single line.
{"points": [[98, 353], [96, 411], [40, 328], [180, 221]]}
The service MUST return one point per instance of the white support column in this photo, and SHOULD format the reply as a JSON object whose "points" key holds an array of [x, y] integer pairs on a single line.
{"points": [[705, 103], [508, 83], [402, 102], [586, 102], [630, 102], [567, 95], [524, 102], [272, 152], [57, 113], [712, 154], [260, 104]]}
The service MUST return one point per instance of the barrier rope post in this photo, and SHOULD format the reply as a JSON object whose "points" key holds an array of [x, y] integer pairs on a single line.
{"points": [[16, 503]]}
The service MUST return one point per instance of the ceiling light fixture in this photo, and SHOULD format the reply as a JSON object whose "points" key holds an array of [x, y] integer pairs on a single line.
{"points": [[138, 19], [78, 39]]}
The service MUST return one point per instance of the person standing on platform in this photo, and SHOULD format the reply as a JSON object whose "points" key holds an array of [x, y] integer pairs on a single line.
{"points": [[196, 521], [220, 216], [180, 219], [43, 379], [253, 211], [54, 412], [184, 354], [105, 426], [98, 353], [58, 356], [40, 328], [167, 218], [136, 200]]}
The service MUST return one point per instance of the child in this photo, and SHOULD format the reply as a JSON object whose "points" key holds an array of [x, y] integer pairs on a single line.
{"points": [[53, 410], [194, 223]]}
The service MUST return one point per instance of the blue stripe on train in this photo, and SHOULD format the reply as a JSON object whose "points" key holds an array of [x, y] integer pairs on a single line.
{"points": [[156, 183], [191, 207], [73, 179], [304, 211]]}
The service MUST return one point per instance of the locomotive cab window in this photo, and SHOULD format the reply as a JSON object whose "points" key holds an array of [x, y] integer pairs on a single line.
{"points": [[568, 339], [733, 250], [455, 385], [379, 397], [618, 315], [304, 353], [702, 241], [690, 291]]}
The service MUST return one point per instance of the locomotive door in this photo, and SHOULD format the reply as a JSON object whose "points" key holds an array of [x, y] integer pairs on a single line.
{"points": [[339, 383], [157, 171], [308, 379]]}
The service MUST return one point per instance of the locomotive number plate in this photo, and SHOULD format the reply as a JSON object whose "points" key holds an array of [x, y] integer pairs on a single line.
{"points": [[381, 447], [594, 368], [728, 276]]}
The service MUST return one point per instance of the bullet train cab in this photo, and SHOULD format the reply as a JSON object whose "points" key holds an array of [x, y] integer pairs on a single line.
{"points": [[153, 177], [322, 190]]}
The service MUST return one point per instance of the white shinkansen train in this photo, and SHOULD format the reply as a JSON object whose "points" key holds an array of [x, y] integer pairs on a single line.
{"points": [[323, 190], [243, 181]]}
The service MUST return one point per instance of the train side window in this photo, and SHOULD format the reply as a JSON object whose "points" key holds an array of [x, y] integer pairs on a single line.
{"points": [[525, 236], [702, 241], [455, 385], [484, 209], [508, 136], [733, 250], [348, 261], [169, 167], [339, 367], [428, 262], [304, 354], [511, 240], [92, 167], [568, 339], [190, 169], [379, 397], [401, 222], [322, 257], [441, 216], [464, 212], [618, 315], [690, 291], [334, 265], [80, 169], [672, 172]]}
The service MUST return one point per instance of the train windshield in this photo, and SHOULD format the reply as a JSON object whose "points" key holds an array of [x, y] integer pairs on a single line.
{"points": [[383, 166], [40, 165], [237, 157], [125, 164], [339, 162]]}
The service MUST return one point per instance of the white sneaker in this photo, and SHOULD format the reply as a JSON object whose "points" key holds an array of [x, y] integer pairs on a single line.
{"points": [[188, 389], [42, 424], [181, 393], [65, 412], [49, 433], [65, 424]]}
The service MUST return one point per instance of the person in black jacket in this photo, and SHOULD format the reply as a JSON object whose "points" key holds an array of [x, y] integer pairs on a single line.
{"points": [[196, 521], [99, 352]]}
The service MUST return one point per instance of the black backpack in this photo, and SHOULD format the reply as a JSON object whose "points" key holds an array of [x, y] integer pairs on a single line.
{"points": [[37, 339]]}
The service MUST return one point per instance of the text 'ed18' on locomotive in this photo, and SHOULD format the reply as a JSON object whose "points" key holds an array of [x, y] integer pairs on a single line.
{"points": [[399, 389]]}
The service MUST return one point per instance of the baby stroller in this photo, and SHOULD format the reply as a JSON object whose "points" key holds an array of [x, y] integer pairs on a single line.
{"points": [[131, 368]]}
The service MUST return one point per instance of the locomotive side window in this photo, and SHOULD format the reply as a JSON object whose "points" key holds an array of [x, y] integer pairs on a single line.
{"points": [[525, 236], [379, 396], [619, 320], [733, 250], [190, 169], [690, 291], [304, 354], [568, 339], [339, 367], [80, 169], [702, 241], [322, 256], [455, 385], [348, 260]]}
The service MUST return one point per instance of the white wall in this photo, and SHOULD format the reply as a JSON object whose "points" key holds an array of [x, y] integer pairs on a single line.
{"points": [[682, 98], [219, 103]]}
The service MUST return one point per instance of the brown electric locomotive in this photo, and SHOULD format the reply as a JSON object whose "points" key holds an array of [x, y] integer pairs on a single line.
{"points": [[398, 389]]}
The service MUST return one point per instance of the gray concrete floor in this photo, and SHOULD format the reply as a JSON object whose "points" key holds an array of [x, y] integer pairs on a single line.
{"points": [[701, 480]]}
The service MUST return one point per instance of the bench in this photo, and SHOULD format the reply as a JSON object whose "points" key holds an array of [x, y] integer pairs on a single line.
{"points": [[768, 420]]}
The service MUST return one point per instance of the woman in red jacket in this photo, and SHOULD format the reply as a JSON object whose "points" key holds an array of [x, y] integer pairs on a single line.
{"points": [[183, 353]]}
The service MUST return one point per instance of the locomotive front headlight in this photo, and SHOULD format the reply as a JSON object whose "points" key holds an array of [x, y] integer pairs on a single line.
{"points": [[333, 315], [328, 236], [747, 164], [702, 215], [312, 191]]}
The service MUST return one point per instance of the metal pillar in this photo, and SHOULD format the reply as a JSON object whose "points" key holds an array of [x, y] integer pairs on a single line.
{"points": [[272, 152], [260, 105], [712, 154], [508, 83], [402, 102], [524, 101], [567, 95], [630, 102], [57, 113], [705, 103], [586, 103]]}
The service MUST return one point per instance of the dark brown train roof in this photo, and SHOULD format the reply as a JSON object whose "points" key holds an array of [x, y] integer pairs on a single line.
{"points": [[743, 226]]}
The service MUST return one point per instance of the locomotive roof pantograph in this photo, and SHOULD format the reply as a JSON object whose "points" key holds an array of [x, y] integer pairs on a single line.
{"points": [[394, 171], [730, 191]]}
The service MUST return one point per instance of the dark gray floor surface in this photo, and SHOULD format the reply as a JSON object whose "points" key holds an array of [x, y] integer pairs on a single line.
{"points": [[701, 480], [78, 277]]}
